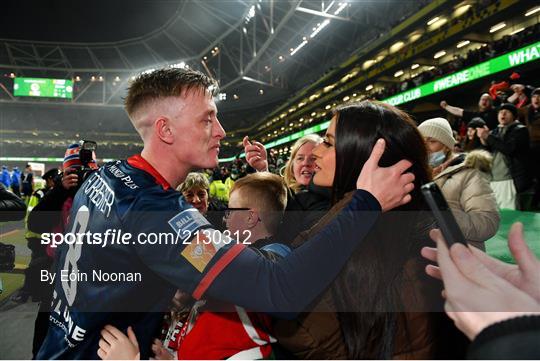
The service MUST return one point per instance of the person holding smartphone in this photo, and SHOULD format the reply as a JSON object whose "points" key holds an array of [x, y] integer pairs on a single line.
{"points": [[464, 182], [495, 304]]}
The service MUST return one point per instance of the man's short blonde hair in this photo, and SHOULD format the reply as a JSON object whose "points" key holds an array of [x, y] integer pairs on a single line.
{"points": [[267, 193]]}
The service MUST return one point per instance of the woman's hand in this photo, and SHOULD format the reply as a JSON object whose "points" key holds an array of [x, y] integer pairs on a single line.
{"points": [[475, 296], [525, 275], [390, 186], [255, 155], [114, 345]]}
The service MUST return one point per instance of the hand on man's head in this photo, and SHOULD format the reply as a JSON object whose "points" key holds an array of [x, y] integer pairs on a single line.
{"points": [[391, 185]]}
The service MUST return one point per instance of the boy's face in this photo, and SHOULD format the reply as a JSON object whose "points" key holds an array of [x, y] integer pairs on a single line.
{"points": [[239, 220]]}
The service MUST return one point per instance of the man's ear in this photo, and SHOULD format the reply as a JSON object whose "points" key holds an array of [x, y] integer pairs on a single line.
{"points": [[164, 130]]}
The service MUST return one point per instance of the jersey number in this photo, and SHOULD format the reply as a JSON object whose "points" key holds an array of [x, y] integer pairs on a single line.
{"points": [[73, 254]]}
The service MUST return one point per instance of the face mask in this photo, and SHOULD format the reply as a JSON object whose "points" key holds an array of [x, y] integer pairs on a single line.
{"points": [[436, 159]]}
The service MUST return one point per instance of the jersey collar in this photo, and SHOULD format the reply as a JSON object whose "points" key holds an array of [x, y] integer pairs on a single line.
{"points": [[139, 162]]}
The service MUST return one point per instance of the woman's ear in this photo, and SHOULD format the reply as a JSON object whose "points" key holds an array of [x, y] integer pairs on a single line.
{"points": [[164, 130]]}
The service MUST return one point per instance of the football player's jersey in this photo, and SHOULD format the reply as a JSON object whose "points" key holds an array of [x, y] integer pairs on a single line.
{"points": [[134, 254]]}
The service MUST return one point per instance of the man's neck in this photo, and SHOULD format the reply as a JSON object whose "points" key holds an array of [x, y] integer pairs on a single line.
{"points": [[173, 172]]}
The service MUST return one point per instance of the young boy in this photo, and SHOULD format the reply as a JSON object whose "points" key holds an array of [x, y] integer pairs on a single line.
{"points": [[215, 330]]}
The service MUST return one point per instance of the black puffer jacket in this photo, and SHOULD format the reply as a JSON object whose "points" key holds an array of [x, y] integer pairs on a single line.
{"points": [[515, 146], [303, 210]]}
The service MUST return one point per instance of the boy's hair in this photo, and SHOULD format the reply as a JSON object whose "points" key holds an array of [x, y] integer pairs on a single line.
{"points": [[194, 180], [165, 83], [266, 192]]}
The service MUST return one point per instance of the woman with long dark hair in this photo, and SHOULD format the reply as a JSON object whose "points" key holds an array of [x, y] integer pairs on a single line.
{"points": [[381, 299]]}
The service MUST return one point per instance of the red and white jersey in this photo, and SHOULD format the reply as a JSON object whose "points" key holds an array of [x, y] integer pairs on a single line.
{"points": [[233, 333]]}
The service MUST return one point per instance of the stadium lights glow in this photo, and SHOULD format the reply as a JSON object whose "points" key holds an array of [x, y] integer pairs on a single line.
{"points": [[180, 65], [319, 28], [497, 27], [433, 21], [439, 54], [395, 47], [517, 31], [398, 73], [93, 78], [369, 87], [346, 98], [250, 14], [77, 78], [532, 11], [340, 8], [295, 50], [148, 71], [463, 43], [117, 78], [414, 66], [222, 96]]}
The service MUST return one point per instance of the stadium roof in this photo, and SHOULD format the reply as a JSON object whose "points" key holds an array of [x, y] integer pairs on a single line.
{"points": [[251, 47]]}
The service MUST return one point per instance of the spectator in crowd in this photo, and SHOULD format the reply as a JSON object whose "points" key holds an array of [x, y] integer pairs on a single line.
{"points": [[464, 182], [214, 330], [381, 297], [39, 260], [5, 178], [495, 304], [472, 141], [16, 181], [486, 111], [299, 168], [195, 190], [509, 144], [231, 178], [12, 208], [530, 116], [306, 202], [27, 183], [218, 189]]}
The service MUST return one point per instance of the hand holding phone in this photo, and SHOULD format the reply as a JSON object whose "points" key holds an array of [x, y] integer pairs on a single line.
{"points": [[444, 217]]}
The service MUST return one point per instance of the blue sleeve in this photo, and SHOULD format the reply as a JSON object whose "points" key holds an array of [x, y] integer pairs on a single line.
{"points": [[292, 283]]}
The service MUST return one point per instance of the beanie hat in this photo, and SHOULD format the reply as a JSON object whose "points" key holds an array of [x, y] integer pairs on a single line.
{"points": [[476, 122], [72, 158], [510, 107], [438, 129], [535, 92]]}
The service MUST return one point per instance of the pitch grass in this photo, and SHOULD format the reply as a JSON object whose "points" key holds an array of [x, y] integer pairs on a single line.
{"points": [[497, 246]]}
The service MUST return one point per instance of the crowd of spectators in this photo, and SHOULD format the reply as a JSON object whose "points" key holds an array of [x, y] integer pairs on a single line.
{"points": [[459, 62]]}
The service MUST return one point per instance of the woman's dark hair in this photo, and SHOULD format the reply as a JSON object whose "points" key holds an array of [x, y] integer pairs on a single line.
{"points": [[358, 126], [369, 293]]}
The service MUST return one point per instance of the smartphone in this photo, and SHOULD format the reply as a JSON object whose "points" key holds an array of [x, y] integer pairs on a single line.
{"points": [[444, 217]]}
